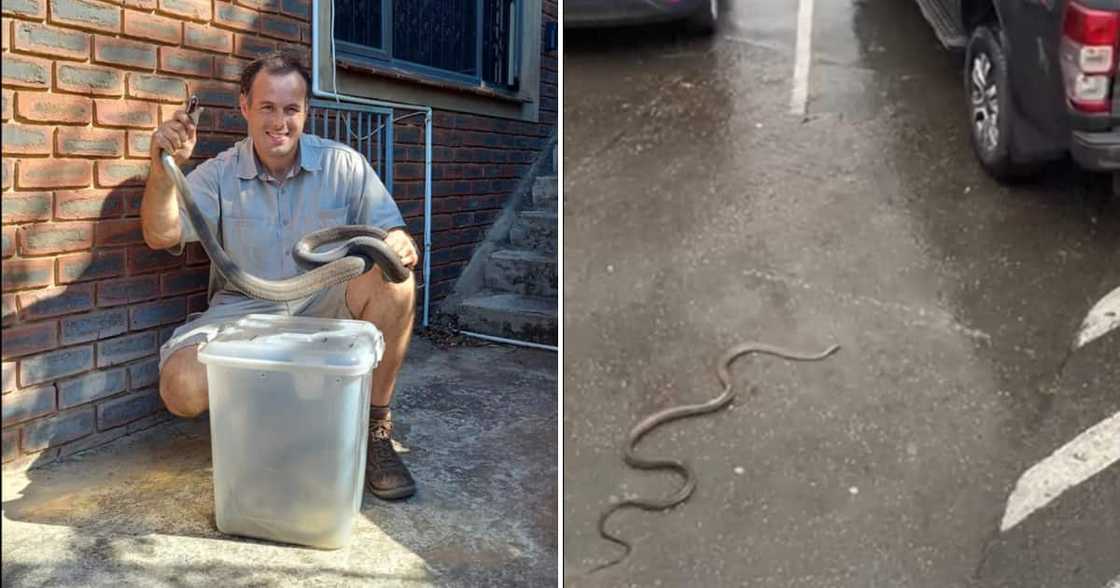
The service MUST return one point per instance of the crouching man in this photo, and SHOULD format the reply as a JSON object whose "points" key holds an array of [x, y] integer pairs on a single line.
{"points": [[259, 198]]}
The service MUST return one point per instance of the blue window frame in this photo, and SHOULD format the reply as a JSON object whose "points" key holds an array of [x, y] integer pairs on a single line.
{"points": [[474, 42]]}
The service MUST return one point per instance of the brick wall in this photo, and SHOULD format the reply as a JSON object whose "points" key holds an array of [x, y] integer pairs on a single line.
{"points": [[85, 303]]}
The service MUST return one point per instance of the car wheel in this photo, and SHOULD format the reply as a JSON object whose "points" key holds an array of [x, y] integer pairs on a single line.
{"points": [[993, 117], [706, 18]]}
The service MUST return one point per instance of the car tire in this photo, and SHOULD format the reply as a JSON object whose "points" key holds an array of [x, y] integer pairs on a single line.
{"points": [[992, 115], [705, 20]]}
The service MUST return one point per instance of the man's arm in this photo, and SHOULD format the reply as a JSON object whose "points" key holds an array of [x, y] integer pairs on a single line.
{"points": [[159, 210]]}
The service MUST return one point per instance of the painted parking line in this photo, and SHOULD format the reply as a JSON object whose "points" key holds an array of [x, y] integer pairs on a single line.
{"points": [[1087, 455], [1102, 318], [803, 58]]}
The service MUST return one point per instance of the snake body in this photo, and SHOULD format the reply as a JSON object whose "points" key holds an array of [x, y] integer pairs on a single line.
{"points": [[364, 248], [651, 422]]}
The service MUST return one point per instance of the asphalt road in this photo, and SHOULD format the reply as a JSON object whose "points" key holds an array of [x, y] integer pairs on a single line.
{"points": [[699, 212]]}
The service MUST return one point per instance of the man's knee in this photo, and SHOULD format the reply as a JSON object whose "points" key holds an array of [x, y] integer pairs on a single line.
{"points": [[182, 383], [372, 295]]}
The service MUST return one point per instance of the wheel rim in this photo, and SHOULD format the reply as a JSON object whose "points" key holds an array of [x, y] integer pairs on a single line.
{"points": [[984, 95]]}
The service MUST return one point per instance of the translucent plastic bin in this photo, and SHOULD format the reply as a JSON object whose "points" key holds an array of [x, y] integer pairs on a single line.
{"points": [[289, 413]]}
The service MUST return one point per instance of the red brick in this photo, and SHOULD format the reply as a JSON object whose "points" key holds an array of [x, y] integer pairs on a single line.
{"points": [[50, 41], [93, 142], [280, 27], [50, 238], [27, 139], [250, 46], [127, 290], [28, 404], [197, 302], [153, 87], [234, 17], [139, 143], [8, 102], [7, 172], [25, 71], [9, 378], [87, 204], [124, 52], [141, 258], [9, 309], [29, 8], [192, 9], [186, 62], [305, 33], [88, 79], [125, 113], [230, 120], [206, 37], [253, 4], [55, 108], [86, 14], [216, 93], [31, 338], [52, 302], [8, 242], [196, 254], [118, 232], [141, 4], [19, 274], [122, 173], [229, 68], [152, 27], [81, 267], [55, 173], [296, 8]]}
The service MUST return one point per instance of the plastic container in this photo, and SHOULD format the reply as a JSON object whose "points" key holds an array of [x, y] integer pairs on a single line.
{"points": [[289, 413]]}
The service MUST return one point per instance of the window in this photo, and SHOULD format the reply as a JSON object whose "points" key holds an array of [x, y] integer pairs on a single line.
{"points": [[468, 41]]}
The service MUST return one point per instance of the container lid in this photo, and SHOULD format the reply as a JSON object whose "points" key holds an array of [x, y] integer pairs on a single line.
{"points": [[262, 341]]}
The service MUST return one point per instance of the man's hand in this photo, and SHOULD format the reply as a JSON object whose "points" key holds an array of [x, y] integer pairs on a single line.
{"points": [[399, 241], [177, 135]]}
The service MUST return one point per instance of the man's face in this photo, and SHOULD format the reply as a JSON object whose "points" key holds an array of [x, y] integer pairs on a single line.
{"points": [[276, 111]]}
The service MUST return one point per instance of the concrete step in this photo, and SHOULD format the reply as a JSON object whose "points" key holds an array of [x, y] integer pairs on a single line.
{"points": [[522, 271], [535, 229], [546, 193], [514, 316]]}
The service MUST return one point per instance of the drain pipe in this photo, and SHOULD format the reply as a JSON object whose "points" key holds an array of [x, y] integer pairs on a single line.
{"points": [[319, 92], [516, 342]]}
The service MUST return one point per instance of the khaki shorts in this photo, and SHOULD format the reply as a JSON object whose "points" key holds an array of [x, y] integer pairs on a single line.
{"points": [[229, 306]]}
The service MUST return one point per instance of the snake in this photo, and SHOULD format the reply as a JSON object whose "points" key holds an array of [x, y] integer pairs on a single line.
{"points": [[655, 420], [360, 248]]}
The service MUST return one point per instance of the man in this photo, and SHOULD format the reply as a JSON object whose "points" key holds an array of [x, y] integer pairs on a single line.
{"points": [[260, 197]]}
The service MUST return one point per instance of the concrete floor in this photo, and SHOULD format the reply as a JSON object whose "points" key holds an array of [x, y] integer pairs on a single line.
{"points": [[480, 423], [700, 213]]}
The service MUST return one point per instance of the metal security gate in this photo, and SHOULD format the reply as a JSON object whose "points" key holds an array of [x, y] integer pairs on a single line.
{"points": [[365, 128]]}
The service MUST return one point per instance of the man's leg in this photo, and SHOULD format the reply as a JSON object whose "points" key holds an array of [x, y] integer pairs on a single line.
{"points": [[391, 308], [182, 383]]}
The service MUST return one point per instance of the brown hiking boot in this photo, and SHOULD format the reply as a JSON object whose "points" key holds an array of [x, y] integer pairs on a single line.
{"points": [[386, 475]]}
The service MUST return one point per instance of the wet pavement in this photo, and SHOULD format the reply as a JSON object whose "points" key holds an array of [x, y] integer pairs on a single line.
{"points": [[700, 213]]}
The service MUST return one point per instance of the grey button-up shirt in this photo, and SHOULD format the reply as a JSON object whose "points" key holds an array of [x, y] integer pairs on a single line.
{"points": [[260, 219]]}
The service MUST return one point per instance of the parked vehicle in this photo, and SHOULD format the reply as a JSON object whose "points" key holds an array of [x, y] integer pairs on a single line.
{"points": [[700, 15], [1040, 79]]}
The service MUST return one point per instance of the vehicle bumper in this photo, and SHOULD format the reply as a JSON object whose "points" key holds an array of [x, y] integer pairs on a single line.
{"points": [[597, 13], [1098, 151]]}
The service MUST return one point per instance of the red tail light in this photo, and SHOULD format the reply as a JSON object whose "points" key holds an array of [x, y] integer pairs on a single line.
{"points": [[1088, 52]]}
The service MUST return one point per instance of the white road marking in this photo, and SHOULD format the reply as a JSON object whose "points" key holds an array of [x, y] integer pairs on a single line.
{"points": [[1102, 318], [1088, 454], [802, 59]]}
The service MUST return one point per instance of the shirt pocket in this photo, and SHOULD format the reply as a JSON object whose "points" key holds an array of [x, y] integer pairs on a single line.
{"points": [[332, 217], [254, 245]]}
